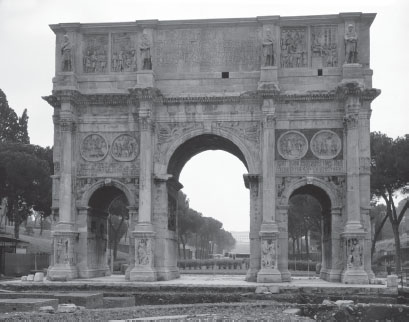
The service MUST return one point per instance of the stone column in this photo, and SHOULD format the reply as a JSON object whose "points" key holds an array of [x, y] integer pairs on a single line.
{"points": [[144, 232], [65, 234], [282, 217], [354, 234], [334, 272], [269, 230], [252, 182], [133, 219]]}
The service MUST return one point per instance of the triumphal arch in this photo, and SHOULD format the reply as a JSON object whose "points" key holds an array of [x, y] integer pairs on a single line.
{"points": [[133, 102]]}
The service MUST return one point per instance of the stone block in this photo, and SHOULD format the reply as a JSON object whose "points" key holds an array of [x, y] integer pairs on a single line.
{"points": [[123, 301], [39, 277], [274, 289], [46, 309], [24, 278], [25, 304], [392, 281], [261, 289], [342, 303], [88, 300], [30, 277], [67, 308], [292, 311]]}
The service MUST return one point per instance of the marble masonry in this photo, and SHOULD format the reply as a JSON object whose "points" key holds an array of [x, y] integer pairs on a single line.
{"points": [[134, 101]]}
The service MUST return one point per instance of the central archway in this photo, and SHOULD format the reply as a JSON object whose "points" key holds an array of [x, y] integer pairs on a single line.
{"points": [[178, 155]]}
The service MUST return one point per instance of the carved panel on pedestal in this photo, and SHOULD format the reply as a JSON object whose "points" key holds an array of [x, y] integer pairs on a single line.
{"points": [[354, 252], [124, 148], [94, 147], [293, 47], [325, 144], [64, 251], [143, 251], [268, 253], [124, 57], [292, 145], [324, 46], [95, 53]]}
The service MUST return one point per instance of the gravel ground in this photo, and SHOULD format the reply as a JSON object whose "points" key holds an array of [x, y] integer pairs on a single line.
{"points": [[261, 311]]}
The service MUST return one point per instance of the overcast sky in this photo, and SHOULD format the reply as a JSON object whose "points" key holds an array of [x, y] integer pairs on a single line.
{"points": [[213, 180]]}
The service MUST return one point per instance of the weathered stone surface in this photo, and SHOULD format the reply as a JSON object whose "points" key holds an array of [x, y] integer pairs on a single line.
{"points": [[46, 309], [38, 277], [67, 308], [30, 277], [261, 290], [134, 102], [392, 281], [123, 301], [25, 304]]}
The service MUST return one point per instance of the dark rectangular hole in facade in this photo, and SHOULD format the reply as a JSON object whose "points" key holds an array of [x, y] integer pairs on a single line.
{"points": [[319, 72], [225, 74]]}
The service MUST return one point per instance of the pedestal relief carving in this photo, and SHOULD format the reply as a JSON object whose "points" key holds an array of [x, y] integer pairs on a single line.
{"points": [[268, 253], [94, 147], [95, 53], [354, 251], [293, 47], [143, 251], [292, 145], [326, 144], [124, 57], [124, 148], [324, 46]]}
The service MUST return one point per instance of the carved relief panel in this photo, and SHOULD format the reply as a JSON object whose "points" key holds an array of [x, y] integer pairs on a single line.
{"points": [[124, 53], [292, 145], [326, 144], [64, 251], [293, 47], [268, 253], [324, 51], [94, 147], [124, 148], [143, 251], [354, 253], [95, 53]]}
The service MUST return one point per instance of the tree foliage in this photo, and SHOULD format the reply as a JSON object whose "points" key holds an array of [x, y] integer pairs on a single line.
{"points": [[202, 232], [25, 169], [390, 175]]}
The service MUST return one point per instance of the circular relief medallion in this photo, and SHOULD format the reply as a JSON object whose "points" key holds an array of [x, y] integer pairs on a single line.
{"points": [[292, 145], [124, 148], [326, 144], [94, 147]]}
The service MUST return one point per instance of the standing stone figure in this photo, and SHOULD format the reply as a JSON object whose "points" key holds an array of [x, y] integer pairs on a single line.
{"points": [[66, 48], [268, 49], [145, 49], [351, 45]]}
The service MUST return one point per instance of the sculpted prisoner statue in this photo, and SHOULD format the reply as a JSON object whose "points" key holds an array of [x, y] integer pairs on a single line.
{"points": [[134, 101]]}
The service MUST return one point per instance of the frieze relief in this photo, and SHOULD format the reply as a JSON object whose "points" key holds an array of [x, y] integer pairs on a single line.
{"points": [[124, 148], [325, 144], [324, 46], [309, 166], [95, 53], [292, 145], [108, 169], [293, 47], [94, 147], [124, 56]]}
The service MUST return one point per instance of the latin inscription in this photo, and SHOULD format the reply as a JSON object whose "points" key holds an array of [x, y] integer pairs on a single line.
{"points": [[198, 50]]}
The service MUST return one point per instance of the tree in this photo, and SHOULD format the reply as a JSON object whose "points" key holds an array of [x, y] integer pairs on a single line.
{"points": [[390, 175], [378, 218], [12, 128], [25, 183], [117, 221]]}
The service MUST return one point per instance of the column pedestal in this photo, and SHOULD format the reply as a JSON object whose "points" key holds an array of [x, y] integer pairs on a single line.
{"points": [[64, 268], [145, 78], [354, 245], [268, 78], [269, 272], [144, 270]]}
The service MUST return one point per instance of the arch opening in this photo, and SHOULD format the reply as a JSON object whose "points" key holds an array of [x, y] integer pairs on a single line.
{"points": [[103, 230], [309, 218], [196, 155]]}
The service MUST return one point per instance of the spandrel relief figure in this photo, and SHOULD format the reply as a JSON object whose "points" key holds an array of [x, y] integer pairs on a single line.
{"points": [[145, 50], [351, 45], [66, 53], [268, 49]]}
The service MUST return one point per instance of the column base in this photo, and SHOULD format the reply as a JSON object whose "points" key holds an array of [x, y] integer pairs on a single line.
{"points": [[128, 272], [285, 275], [351, 276], [94, 272], [331, 275], [143, 275], [251, 275], [269, 275], [62, 273], [166, 274]]}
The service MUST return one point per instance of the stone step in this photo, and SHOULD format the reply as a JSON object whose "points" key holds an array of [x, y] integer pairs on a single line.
{"points": [[119, 301], [26, 304]]}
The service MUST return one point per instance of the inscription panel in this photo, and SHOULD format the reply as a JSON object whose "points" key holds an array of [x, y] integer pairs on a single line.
{"points": [[207, 50]]}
